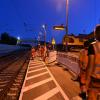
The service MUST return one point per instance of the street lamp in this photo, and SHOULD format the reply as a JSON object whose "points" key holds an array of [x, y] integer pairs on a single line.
{"points": [[44, 27], [67, 16], [62, 27], [18, 40], [38, 38]]}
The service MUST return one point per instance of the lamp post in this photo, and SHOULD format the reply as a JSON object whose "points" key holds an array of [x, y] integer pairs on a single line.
{"points": [[44, 27], [18, 40], [62, 27], [66, 41], [67, 17], [38, 39]]}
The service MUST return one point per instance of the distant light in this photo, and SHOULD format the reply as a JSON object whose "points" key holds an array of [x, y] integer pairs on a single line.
{"points": [[18, 38], [43, 26]]}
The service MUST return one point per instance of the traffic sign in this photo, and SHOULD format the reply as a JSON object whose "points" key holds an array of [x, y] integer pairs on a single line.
{"points": [[60, 27], [53, 41]]}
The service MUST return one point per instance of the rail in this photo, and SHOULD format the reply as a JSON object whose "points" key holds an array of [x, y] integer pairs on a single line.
{"points": [[10, 74]]}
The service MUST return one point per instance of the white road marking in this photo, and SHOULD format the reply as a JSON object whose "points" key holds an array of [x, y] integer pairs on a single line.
{"points": [[58, 86], [3, 82], [35, 64], [36, 70], [36, 84], [11, 94], [31, 77], [36, 61], [2, 85], [48, 94], [36, 67]]}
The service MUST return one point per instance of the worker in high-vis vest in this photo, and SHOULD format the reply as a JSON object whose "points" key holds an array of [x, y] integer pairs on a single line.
{"points": [[83, 61], [93, 69], [33, 53]]}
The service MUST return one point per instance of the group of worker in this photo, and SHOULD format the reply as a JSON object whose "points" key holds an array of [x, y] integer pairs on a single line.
{"points": [[41, 52], [90, 68]]}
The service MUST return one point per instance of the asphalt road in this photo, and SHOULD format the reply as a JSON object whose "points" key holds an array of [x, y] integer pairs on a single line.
{"points": [[64, 78]]}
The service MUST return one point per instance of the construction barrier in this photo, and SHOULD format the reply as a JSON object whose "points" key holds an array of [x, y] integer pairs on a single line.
{"points": [[52, 56], [70, 61]]}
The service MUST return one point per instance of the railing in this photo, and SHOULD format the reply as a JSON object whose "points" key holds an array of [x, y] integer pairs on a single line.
{"points": [[52, 56], [70, 61]]}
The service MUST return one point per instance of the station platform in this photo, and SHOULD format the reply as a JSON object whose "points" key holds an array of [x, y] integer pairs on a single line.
{"points": [[42, 82]]}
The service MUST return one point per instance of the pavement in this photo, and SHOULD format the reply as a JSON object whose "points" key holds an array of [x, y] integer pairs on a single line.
{"points": [[48, 82]]}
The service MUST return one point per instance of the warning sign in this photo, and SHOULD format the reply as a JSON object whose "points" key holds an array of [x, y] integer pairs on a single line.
{"points": [[53, 41]]}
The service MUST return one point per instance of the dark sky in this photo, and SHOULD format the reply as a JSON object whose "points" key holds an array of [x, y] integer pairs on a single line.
{"points": [[24, 18]]}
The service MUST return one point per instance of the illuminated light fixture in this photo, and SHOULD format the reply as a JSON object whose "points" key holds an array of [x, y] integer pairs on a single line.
{"points": [[58, 27], [18, 38], [43, 26]]}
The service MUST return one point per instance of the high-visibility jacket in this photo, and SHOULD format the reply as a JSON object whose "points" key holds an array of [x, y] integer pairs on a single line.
{"points": [[33, 52], [94, 90], [83, 65], [96, 71], [83, 59]]}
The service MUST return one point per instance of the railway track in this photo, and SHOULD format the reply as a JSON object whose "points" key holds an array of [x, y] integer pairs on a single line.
{"points": [[12, 72]]}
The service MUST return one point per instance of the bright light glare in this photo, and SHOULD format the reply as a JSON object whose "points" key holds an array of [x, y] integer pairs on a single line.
{"points": [[18, 38], [43, 26]]}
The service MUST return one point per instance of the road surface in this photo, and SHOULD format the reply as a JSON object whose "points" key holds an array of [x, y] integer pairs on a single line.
{"points": [[52, 82]]}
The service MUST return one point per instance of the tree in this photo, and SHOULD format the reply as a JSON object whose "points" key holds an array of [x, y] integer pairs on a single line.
{"points": [[7, 39]]}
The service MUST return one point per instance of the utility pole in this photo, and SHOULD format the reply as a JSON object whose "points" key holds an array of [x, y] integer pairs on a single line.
{"points": [[67, 17], [44, 27]]}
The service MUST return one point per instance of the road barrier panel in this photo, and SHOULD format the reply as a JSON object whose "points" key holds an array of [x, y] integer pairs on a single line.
{"points": [[71, 62], [52, 56]]}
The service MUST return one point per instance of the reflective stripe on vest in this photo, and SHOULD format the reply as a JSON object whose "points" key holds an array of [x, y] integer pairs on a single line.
{"points": [[97, 71]]}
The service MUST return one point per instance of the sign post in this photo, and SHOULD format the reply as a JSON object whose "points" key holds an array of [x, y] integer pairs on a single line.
{"points": [[53, 42]]}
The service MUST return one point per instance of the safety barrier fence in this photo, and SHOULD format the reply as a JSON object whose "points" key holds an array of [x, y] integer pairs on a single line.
{"points": [[70, 61], [52, 56]]}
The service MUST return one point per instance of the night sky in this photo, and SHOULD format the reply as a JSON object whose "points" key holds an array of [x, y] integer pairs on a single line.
{"points": [[24, 18]]}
